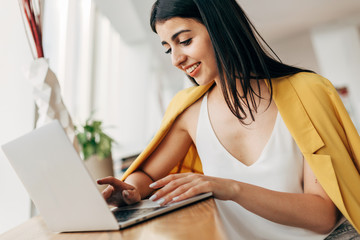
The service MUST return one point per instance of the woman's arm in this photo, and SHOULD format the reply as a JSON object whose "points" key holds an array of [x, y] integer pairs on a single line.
{"points": [[312, 210], [167, 155]]}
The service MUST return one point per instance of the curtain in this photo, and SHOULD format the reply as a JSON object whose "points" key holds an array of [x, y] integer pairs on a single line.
{"points": [[120, 82]]}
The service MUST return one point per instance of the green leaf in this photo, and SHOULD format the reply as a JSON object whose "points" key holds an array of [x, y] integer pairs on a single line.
{"points": [[93, 140], [82, 138], [88, 150]]}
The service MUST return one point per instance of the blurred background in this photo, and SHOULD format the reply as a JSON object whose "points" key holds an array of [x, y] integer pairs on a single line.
{"points": [[108, 61]]}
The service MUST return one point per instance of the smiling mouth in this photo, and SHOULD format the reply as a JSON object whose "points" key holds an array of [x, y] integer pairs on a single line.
{"points": [[192, 68]]}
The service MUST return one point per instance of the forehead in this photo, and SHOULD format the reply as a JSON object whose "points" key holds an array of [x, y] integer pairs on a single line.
{"points": [[166, 29]]}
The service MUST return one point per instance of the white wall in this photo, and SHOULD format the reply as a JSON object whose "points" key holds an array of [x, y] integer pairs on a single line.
{"points": [[16, 108], [297, 50], [332, 50], [337, 47]]}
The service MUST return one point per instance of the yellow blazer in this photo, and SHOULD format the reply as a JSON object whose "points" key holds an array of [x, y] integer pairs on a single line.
{"points": [[318, 121]]}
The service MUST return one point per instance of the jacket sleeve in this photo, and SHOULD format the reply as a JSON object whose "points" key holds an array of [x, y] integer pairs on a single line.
{"points": [[345, 157], [336, 163]]}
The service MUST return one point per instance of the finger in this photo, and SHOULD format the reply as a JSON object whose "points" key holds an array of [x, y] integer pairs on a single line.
{"points": [[107, 180], [107, 192], [191, 192], [188, 190], [163, 181], [116, 199], [116, 183], [171, 186], [173, 196], [130, 196]]}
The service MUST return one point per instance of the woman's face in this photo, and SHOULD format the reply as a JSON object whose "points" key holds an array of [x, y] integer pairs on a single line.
{"points": [[188, 43]]}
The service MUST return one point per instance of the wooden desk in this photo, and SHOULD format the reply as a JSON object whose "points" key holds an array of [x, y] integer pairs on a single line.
{"points": [[197, 221]]}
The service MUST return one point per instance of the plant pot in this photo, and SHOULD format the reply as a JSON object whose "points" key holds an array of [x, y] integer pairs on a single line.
{"points": [[99, 168]]}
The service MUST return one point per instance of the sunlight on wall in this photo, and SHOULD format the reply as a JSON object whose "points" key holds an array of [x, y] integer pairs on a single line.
{"points": [[17, 111]]}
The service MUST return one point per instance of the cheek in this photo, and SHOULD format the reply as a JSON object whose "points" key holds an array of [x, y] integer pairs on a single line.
{"points": [[210, 58], [196, 52], [209, 53]]}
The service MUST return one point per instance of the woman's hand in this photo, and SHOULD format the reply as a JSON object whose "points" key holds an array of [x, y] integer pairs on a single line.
{"points": [[119, 193], [177, 187]]}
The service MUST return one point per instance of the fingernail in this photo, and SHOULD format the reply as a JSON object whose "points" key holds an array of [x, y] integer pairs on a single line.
{"points": [[160, 201], [126, 193], [152, 198], [153, 185], [175, 198]]}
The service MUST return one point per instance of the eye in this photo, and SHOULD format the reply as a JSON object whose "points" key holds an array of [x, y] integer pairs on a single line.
{"points": [[168, 51], [186, 42]]}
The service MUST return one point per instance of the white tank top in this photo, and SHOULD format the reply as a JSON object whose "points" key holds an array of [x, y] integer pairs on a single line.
{"points": [[279, 168]]}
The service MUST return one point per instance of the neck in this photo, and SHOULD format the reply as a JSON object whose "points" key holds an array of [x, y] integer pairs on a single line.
{"points": [[261, 90]]}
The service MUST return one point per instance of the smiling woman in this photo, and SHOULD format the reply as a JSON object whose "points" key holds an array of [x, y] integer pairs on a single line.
{"points": [[213, 43], [189, 44], [266, 133]]}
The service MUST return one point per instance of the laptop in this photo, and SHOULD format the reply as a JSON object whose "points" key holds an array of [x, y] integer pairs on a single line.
{"points": [[64, 192]]}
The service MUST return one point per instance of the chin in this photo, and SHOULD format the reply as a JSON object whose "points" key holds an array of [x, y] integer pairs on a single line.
{"points": [[203, 81]]}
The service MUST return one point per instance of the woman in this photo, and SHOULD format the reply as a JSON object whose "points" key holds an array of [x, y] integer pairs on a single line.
{"points": [[275, 143]]}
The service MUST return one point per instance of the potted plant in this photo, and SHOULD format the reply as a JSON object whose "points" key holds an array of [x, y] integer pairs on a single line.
{"points": [[95, 149]]}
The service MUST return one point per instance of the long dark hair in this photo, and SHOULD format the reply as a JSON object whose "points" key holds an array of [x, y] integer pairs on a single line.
{"points": [[237, 45]]}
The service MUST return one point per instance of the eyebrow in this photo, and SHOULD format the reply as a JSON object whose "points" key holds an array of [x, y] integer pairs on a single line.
{"points": [[175, 36]]}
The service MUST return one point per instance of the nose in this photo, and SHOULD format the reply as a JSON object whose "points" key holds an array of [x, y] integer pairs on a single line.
{"points": [[177, 58]]}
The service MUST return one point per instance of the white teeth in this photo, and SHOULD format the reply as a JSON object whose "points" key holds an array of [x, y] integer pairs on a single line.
{"points": [[191, 69]]}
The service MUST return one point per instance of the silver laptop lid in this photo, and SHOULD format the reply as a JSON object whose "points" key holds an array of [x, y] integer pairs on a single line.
{"points": [[58, 182]]}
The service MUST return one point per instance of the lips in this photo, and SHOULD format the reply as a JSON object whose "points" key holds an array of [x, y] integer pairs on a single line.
{"points": [[192, 68]]}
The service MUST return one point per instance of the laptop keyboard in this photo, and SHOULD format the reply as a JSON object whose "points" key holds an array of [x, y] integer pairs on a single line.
{"points": [[124, 215]]}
